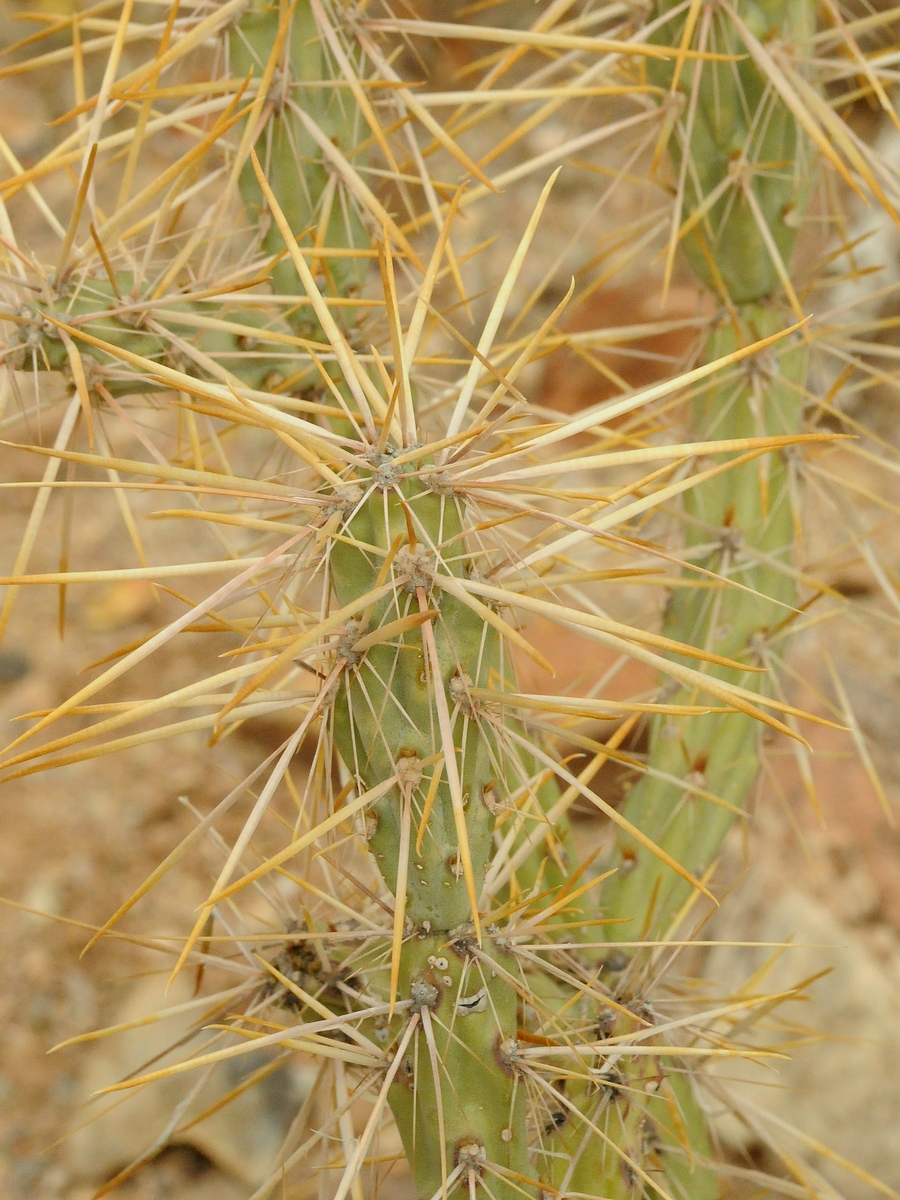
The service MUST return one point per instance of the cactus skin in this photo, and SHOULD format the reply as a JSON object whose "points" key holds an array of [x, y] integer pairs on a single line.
{"points": [[284, 141], [736, 116], [386, 710], [747, 510], [473, 1013]]}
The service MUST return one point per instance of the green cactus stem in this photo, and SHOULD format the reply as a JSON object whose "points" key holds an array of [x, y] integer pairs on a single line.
{"points": [[387, 717], [458, 1102], [747, 516], [744, 160], [216, 339], [403, 709], [741, 139], [283, 47]]}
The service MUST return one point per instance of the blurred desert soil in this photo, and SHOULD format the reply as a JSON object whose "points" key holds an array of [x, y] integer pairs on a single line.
{"points": [[76, 841]]}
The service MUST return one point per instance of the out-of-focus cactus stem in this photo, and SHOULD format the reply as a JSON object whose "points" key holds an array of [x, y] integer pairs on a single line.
{"points": [[738, 141]]}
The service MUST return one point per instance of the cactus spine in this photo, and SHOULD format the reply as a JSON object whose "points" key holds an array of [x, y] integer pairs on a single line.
{"points": [[742, 143]]}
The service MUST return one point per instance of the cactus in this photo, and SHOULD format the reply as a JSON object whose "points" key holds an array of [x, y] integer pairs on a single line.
{"points": [[740, 247], [461, 974]]}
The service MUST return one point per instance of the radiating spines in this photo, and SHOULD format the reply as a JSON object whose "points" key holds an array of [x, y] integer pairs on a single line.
{"points": [[302, 108], [744, 162], [404, 700], [460, 1103], [747, 516]]}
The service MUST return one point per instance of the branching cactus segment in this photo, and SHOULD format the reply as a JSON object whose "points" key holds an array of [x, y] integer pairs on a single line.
{"points": [[740, 154], [457, 1098], [94, 307], [617, 1129], [283, 47], [742, 528], [744, 178], [405, 706]]}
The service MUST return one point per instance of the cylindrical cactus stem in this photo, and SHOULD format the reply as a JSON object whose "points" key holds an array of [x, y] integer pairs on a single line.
{"points": [[457, 1100], [679, 1134], [405, 696], [741, 141], [403, 712], [620, 1127], [741, 144], [93, 306], [615, 1125], [747, 516], [89, 306], [283, 48], [403, 709]]}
